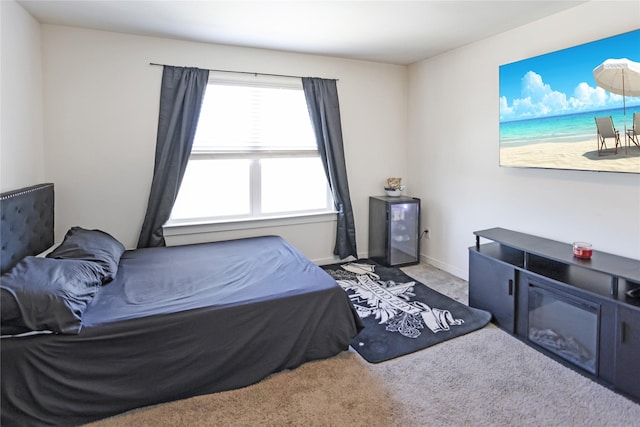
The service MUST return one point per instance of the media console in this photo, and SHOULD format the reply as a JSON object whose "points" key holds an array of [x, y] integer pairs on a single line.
{"points": [[574, 310]]}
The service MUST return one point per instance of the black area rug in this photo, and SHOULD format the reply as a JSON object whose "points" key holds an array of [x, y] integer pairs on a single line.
{"points": [[400, 314]]}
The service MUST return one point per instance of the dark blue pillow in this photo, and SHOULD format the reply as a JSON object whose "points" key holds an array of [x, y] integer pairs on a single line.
{"points": [[91, 245], [48, 294]]}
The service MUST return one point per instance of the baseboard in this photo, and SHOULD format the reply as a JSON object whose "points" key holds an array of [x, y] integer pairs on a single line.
{"points": [[444, 266], [423, 258], [334, 260]]}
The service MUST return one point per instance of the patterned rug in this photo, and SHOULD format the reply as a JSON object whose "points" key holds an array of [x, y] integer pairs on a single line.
{"points": [[401, 315]]}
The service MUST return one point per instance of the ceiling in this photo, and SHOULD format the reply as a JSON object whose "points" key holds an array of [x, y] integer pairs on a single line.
{"points": [[396, 32]]}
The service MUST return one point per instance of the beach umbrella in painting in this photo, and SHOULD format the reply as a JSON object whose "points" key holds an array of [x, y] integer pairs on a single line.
{"points": [[619, 76]]}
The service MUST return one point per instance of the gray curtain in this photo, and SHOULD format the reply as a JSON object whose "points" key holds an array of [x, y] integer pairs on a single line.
{"points": [[324, 109], [180, 101]]}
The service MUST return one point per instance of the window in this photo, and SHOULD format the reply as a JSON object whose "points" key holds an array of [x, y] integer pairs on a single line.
{"points": [[254, 155]]}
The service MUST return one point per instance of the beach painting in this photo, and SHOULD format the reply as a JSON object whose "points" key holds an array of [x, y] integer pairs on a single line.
{"points": [[548, 106]]}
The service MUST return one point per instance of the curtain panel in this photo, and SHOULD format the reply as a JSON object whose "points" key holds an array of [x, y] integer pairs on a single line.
{"points": [[181, 97], [324, 110]]}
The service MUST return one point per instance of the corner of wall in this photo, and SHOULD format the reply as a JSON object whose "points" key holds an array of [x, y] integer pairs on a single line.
{"points": [[21, 85]]}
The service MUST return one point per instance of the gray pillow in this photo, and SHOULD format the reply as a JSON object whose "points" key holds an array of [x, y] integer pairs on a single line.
{"points": [[48, 294], [91, 245]]}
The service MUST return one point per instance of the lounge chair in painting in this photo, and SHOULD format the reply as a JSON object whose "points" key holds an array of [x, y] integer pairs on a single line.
{"points": [[634, 133], [606, 130]]}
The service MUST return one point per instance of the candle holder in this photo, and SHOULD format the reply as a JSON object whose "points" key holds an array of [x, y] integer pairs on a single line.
{"points": [[582, 250]]}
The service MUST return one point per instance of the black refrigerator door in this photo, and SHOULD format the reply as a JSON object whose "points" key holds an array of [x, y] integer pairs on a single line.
{"points": [[403, 233]]}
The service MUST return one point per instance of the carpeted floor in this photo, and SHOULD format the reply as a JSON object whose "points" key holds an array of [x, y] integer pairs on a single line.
{"points": [[485, 378]]}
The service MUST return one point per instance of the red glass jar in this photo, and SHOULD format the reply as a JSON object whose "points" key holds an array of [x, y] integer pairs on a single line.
{"points": [[582, 250]]}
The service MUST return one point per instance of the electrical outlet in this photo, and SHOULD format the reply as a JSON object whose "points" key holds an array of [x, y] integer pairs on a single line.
{"points": [[427, 233]]}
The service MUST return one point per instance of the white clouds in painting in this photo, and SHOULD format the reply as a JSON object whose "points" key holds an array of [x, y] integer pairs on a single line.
{"points": [[539, 99]]}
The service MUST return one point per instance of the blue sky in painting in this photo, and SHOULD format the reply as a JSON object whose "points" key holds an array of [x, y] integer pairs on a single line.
{"points": [[562, 82]]}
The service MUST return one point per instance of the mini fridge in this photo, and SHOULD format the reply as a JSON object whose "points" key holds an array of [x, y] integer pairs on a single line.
{"points": [[394, 230]]}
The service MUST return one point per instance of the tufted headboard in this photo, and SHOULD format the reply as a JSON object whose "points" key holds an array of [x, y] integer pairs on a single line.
{"points": [[26, 223]]}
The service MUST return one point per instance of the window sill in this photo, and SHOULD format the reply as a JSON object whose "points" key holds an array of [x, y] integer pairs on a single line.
{"points": [[246, 224]]}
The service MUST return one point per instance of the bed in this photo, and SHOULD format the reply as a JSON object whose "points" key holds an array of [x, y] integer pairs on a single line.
{"points": [[160, 324]]}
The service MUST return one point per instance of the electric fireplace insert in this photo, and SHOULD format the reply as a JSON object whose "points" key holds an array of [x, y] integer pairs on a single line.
{"points": [[566, 326]]}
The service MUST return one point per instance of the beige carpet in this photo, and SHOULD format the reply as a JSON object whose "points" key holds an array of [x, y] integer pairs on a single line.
{"points": [[485, 378]]}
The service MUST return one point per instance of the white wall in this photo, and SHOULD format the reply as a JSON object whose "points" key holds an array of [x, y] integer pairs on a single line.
{"points": [[101, 106], [453, 142], [100, 115], [21, 141]]}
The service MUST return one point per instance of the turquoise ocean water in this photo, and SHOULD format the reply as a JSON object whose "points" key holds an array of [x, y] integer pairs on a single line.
{"points": [[565, 128]]}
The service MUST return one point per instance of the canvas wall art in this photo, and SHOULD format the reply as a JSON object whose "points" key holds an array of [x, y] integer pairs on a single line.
{"points": [[549, 105]]}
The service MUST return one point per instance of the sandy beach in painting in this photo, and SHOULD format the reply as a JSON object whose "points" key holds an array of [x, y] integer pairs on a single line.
{"points": [[572, 155]]}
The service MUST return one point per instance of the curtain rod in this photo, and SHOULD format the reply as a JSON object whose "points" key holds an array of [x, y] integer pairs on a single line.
{"points": [[240, 72]]}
